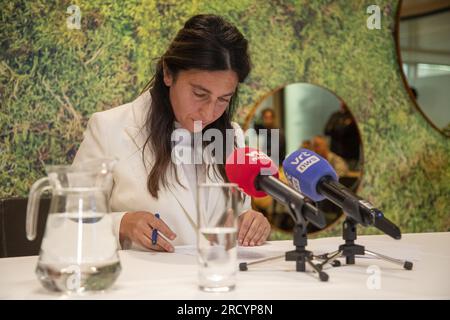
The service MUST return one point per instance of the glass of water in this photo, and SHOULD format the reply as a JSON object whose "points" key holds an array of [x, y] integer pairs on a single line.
{"points": [[218, 207]]}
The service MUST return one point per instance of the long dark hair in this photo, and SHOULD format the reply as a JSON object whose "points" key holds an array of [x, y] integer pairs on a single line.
{"points": [[206, 42]]}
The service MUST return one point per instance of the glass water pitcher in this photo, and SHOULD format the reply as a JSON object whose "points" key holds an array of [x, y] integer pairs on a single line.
{"points": [[79, 249]]}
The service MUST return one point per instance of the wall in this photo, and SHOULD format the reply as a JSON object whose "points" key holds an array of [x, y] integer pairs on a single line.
{"points": [[53, 78]]}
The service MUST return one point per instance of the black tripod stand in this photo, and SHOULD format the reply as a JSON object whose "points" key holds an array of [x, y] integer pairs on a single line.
{"points": [[350, 249], [300, 255]]}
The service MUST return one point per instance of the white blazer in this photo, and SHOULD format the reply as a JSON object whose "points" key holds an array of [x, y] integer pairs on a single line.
{"points": [[118, 133]]}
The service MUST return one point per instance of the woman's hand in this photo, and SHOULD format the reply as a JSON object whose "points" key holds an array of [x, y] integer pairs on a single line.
{"points": [[254, 228], [138, 226]]}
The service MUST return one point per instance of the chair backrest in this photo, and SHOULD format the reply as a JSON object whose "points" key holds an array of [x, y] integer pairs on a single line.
{"points": [[13, 239]]}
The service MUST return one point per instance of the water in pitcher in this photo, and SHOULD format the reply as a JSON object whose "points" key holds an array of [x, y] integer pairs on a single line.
{"points": [[78, 252], [217, 259]]}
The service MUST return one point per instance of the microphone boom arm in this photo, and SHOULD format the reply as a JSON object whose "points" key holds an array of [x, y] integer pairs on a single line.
{"points": [[356, 208], [296, 201]]}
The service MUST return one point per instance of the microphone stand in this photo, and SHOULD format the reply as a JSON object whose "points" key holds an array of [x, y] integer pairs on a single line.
{"points": [[350, 249], [300, 255]]}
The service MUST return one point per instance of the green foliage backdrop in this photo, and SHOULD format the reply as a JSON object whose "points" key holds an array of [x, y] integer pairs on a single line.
{"points": [[53, 78]]}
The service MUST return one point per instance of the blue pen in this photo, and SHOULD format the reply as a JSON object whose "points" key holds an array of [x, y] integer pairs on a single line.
{"points": [[155, 232]]}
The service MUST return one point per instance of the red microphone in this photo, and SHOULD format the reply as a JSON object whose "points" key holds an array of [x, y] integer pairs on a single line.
{"points": [[257, 175], [243, 167]]}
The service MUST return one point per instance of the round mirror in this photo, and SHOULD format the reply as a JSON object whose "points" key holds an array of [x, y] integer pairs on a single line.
{"points": [[307, 116], [424, 46]]}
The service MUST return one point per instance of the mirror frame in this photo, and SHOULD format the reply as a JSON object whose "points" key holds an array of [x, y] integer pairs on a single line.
{"points": [[250, 116], [403, 76]]}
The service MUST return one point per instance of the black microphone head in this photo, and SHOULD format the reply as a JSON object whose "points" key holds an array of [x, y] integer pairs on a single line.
{"points": [[385, 225]]}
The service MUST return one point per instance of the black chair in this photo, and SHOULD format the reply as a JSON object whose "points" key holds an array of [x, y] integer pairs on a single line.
{"points": [[13, 238]]}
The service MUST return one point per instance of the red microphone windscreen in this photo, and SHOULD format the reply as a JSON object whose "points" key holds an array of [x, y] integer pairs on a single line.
{"points": [[245, 164]]}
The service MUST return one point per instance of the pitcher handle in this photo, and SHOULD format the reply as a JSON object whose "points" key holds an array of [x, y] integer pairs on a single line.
{"points": [[34, 198]]}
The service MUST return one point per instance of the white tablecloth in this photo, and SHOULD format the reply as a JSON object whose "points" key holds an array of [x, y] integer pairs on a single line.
{"points": [[174, 276]]}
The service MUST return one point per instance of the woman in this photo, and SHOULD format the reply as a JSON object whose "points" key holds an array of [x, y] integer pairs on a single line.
{"points": [[196, 80]]}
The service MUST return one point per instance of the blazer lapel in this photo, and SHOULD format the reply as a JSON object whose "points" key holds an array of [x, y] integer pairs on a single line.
{"points": [[214, 193], [137, 139], [183, 194]]}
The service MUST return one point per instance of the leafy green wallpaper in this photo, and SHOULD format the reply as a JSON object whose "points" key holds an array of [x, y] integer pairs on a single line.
{"points": [[53, 78]]}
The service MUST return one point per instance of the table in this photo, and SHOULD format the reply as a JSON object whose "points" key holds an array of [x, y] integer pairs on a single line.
{"points": [[173, 276]]}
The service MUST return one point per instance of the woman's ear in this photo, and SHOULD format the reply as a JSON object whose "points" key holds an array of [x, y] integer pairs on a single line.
{"points": [[168, 79]]}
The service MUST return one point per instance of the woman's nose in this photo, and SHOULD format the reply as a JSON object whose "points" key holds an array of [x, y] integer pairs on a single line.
{"points": [[207, 112]]}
